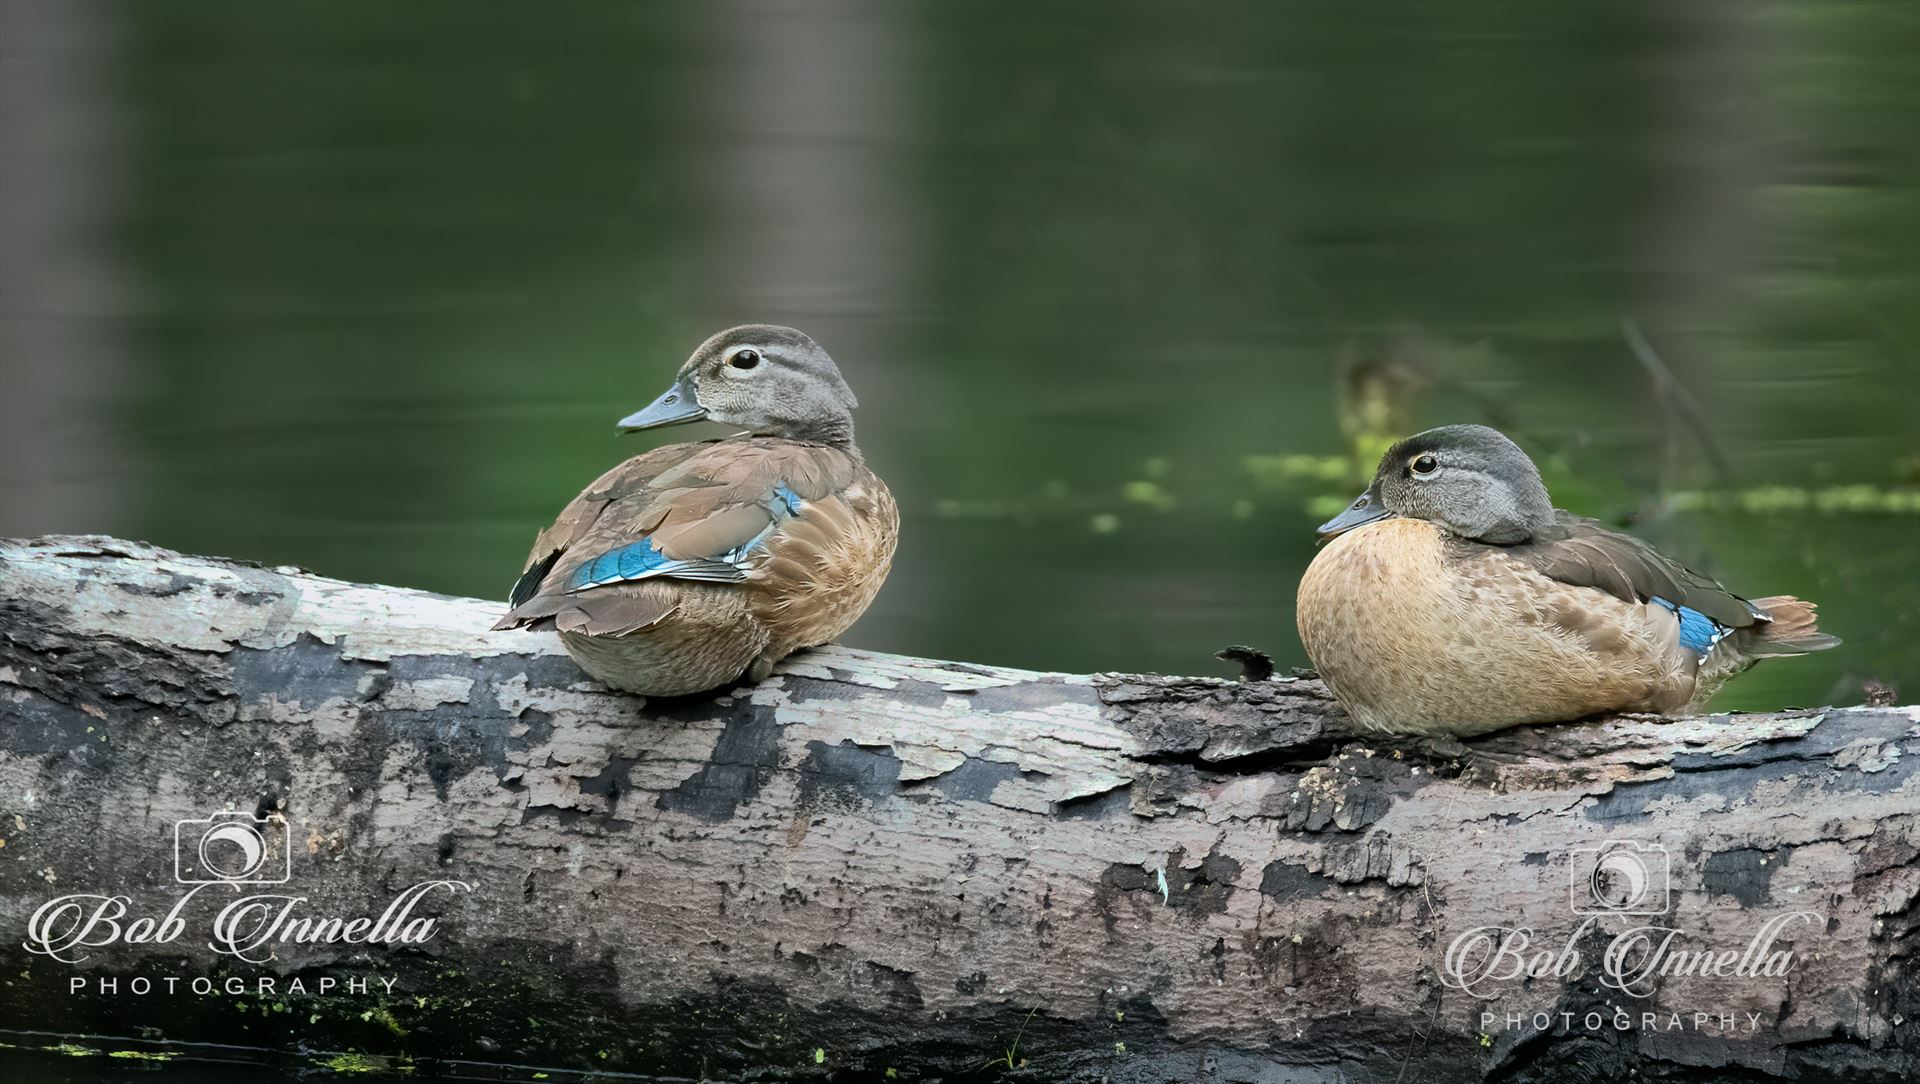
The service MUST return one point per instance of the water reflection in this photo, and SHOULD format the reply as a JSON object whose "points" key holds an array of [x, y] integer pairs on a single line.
{"points": [[1120, 288]]}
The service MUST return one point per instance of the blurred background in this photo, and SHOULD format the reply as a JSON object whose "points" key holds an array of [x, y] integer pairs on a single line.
{"points": [[1132, 295]]}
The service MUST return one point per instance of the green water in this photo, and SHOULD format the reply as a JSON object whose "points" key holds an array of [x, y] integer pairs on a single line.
{"points": [[396, 269]]}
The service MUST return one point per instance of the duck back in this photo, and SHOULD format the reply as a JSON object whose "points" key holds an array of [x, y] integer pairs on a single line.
{"points": [[691, 566]]}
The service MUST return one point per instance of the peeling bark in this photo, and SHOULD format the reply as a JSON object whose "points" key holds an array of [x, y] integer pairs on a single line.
{"points": [[873, 863]]}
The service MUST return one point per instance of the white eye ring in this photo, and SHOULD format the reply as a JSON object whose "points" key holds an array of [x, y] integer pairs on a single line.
{"points": [[745, 361], [1432, 465]]}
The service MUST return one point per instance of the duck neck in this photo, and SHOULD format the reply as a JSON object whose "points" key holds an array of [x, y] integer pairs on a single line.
{"points": [[834, 432]]}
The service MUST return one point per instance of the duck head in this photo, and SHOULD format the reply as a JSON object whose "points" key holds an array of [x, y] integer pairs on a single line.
{"points": [[1468, 479], [771, 381]]}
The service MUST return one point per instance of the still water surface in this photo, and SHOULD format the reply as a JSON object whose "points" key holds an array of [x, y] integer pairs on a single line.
{"points": [[1108, 282]]}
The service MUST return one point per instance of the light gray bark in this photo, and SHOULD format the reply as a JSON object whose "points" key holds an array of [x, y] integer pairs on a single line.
{"points": [[872, 862]]}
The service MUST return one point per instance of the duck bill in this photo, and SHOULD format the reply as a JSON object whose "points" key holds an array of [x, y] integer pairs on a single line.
{"points": [[676, 405], [1368, 509]]}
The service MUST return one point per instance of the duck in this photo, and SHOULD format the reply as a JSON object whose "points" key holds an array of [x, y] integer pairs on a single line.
{"points": [[1453, 599], [694, 565]]}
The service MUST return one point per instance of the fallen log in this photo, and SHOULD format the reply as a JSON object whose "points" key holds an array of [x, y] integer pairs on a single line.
{"points": [[477, 861]]}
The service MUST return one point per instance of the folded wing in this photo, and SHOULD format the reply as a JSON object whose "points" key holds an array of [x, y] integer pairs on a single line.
{"points": [[1586, 553], [688, 513]]}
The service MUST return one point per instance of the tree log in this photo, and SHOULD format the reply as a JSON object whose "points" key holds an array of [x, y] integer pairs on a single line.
{"points": [[877, 867]]}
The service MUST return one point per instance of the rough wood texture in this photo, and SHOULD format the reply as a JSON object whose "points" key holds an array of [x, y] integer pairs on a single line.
{"points": [[872, 862]]}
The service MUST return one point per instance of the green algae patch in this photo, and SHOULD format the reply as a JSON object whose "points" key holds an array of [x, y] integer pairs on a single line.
{"points": [[72, 1050], [362, 1063], [383, 1016]]}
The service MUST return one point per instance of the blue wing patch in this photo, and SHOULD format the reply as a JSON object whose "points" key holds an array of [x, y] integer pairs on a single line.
{"points": [[643, 560], [1698, 632], [629, 562]]}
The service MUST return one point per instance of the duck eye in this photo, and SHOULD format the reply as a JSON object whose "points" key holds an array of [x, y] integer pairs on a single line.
{"points": [[744, 359], [1425, 464]]}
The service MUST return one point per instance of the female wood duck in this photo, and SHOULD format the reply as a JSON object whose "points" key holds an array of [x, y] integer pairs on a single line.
{"points": [[1453, 598], [684, 568]]}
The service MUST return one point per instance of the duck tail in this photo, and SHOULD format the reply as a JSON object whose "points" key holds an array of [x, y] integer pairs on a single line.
{"points": [[1789, 630]]}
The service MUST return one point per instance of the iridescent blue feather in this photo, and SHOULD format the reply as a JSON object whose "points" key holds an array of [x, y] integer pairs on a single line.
{"points": [[1698, 632]]}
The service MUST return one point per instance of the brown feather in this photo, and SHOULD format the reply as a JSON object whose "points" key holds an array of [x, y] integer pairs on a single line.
{"points": [[1791, 628], [1586, 553], [815, 573], [1412, 638], [694, 500], [714, 532]]}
